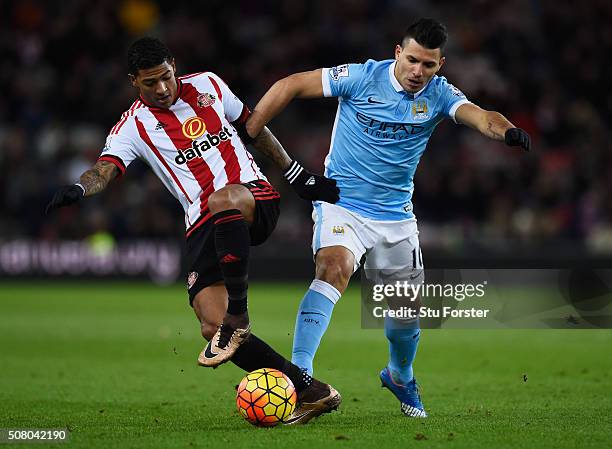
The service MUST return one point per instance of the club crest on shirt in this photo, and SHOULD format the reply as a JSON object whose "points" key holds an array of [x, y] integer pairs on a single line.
{"points": [[206, 99], [191, 279], [419, 109], [338, 230]]}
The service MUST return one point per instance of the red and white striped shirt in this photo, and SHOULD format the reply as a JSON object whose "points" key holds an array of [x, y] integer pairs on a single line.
{"points": [[192, 147]]}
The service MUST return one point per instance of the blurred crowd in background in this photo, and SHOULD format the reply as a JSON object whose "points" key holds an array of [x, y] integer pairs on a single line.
{"points": [[542, 63]]}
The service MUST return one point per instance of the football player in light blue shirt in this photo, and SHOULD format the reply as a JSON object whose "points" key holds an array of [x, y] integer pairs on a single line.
{"points": [[387, 110]]}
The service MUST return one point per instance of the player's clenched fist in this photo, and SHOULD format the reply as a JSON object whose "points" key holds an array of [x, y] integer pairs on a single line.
{"points": [[310, 186], [65, 196], [517, 137]]}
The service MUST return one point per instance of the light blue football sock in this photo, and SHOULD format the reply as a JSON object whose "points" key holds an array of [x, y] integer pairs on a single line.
{"points": [[311, 322], [403, 341]]}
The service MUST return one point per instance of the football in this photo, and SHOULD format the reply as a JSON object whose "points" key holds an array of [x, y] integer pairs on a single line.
{"points": [[266, 397]]}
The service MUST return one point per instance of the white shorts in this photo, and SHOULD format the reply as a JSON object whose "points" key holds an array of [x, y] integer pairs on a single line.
{"points": [[387, 245]]}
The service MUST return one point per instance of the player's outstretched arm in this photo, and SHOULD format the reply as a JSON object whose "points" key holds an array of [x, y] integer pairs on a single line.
{"points": [[91, 182], [492, 124], [267, 144], [97, 177], [307, 185], [298, 85]]}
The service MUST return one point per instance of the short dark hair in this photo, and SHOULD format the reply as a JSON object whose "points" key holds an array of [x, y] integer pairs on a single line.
{"points": [[145, 53], [427, 32]]}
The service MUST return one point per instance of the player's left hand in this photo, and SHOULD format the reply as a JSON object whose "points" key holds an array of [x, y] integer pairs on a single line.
{"points": [[310, 186], [517, 137]]}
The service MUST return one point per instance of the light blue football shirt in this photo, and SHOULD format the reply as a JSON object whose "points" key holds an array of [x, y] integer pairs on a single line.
{"points": [[379, 135]]}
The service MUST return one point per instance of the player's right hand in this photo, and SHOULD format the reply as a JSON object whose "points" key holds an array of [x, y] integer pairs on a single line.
{"points": [[65, 196], [310, 186]]}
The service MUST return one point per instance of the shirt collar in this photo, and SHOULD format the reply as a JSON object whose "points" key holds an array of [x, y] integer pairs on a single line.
{"points": [[398, 87]]}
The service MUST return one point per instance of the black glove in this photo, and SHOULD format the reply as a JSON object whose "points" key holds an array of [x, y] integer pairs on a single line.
{"points": [[310, 186], [65, 196], [516, 137]]}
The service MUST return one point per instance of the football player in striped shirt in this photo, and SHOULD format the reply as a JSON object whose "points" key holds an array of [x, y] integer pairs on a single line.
{"points": [[191, 131]]}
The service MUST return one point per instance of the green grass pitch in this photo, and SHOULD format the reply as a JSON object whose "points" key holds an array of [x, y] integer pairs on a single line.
{"points": [[116, 364]]}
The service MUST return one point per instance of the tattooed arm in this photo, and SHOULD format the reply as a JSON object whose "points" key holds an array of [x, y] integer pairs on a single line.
{"points": [[308, 186], [490, 123], [92, 181], [97, 178], [268, 145], [493, 125]]}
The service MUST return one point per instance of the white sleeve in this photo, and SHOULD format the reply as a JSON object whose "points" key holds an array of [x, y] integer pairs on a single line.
{"points": [[455, 106], [120, 148], [232, 105], [325, 82], [452, 98], [343, 80]]}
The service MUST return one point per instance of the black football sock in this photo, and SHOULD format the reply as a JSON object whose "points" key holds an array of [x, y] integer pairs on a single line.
{"points": [[255, 353], [233, 245]]}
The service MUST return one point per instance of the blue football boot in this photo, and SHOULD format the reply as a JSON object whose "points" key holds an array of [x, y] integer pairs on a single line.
{"points": [[408, 395]]}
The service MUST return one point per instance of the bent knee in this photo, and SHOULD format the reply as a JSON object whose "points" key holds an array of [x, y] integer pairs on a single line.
{"points": [[335, 269], [223, 199]]}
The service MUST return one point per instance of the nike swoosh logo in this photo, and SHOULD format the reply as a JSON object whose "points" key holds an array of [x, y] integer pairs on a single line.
{"points": [[370, 100], [208, 353], [295, 418]]}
